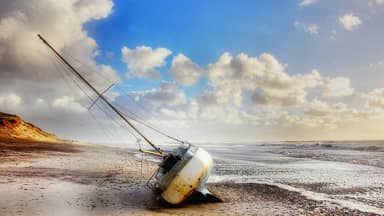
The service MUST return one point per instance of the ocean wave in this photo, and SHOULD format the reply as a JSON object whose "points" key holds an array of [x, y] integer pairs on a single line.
{"points": [[378, 147], [322, 197]]}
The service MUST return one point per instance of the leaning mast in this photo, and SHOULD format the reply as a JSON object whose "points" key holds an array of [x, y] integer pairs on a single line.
{"points": [[120, 114]]}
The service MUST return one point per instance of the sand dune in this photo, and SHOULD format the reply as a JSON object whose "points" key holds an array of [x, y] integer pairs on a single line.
{"points": [[12, 127]]}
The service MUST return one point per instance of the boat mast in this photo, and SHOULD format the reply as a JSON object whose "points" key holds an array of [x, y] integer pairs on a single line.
{"points": [[120, 114]]}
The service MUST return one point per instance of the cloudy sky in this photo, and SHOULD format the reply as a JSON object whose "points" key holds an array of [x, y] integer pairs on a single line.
{"points": [[215, 71]]}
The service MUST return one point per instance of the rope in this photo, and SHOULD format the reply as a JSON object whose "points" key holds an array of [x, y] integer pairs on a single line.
{"points": [[136, 118]]}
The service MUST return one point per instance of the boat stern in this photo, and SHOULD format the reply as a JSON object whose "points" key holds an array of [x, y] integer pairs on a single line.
{"points": [[183, 172]]}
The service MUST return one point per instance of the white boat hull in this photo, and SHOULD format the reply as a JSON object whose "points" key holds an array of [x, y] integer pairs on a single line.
{"points": [[192, 177], [182, 173]]}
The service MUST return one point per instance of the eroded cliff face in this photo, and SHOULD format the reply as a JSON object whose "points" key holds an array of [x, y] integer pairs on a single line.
{"points": [[12, 127]]}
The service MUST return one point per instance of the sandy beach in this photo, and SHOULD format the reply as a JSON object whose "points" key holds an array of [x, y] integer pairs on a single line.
{"points": [[73, 179]]}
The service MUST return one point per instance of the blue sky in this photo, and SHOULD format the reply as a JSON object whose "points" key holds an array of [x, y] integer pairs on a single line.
{"points": [[203, 30]]}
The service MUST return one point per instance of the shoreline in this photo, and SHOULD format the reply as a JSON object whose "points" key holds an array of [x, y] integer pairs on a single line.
{"points": [[59, 179]]}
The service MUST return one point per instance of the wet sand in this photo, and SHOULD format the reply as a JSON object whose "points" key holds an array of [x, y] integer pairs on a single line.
{"points": [[68, 179]]}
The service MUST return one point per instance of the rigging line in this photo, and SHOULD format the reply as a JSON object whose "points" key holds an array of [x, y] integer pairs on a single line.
{"points": [[101, 96], [145, 124], [81, 88], [57, 65], [63, 70], [114, 121], [138, 118], [158, 131], [121, 107], [148, 125], [118, 122], [146, 165], [76, 82], [141, 164], [104, 110], [100, 125], [92, 115], [142, 158], [104, 92], [87, 67], [114, 128], [134, 102], [106, 113], [133, 99], [62, 73]]}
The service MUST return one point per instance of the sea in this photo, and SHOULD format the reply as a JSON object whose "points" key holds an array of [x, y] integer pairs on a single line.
{"points": [[350, 174]]}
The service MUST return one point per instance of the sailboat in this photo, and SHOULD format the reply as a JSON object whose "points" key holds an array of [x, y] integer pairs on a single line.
{"points": [[182, 172]]}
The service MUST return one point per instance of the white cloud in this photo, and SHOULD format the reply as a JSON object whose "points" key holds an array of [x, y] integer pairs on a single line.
{"points": [[337, 87], [312, 29], [143, 61], [377, 67], [279, 98], [350, 22], [333, 35], [25, 57], [10, 102], [27, 66], [321, 114], [92, 9], [257, 92], [374, 3], [185, 71], [375, 98], [304, 3], [61, 23], [67, 103], [264, 82], [167, 94], [264, 78]]}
